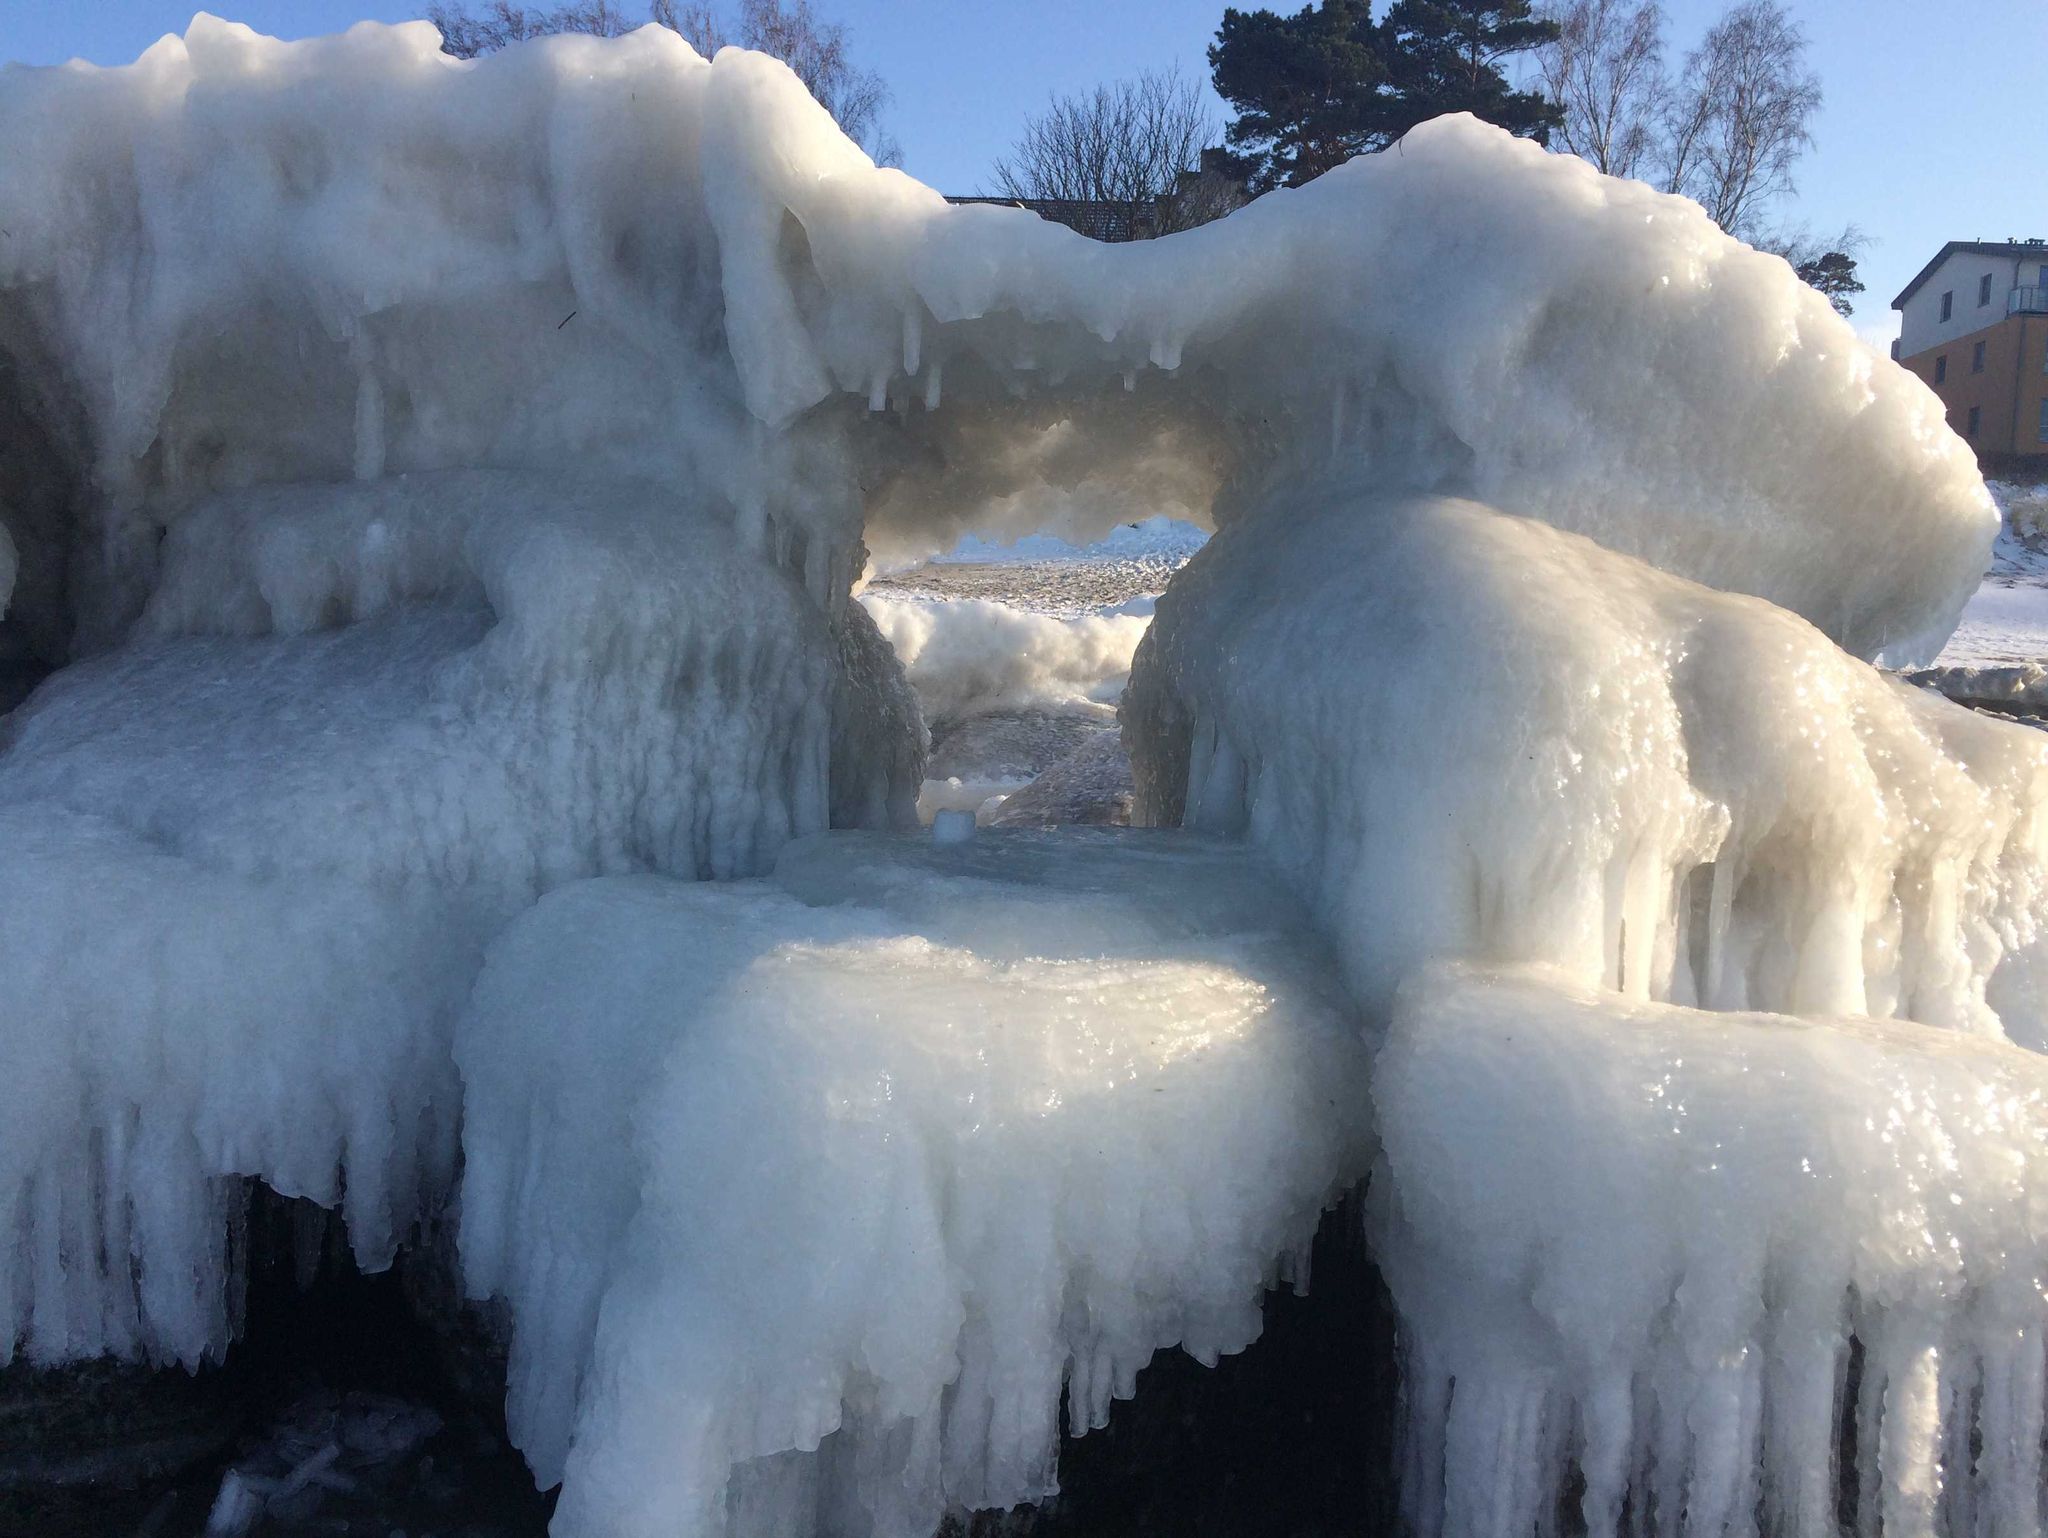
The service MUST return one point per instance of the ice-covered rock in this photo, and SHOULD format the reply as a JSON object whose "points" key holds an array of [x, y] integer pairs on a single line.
{"points": [[1637, 1234], [251, 856], [815, 1196], [1634, 1242]]}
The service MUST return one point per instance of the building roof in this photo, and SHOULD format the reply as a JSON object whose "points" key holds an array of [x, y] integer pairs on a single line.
{"points": [[1975, 248]]}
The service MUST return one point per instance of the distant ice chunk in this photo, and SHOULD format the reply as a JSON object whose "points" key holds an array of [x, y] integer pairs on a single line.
{"points": [[804, 1209], [974, 656]]}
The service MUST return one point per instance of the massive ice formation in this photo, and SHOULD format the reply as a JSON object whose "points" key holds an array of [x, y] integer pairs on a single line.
{"points": [[883, 1157], [445, 481], [1633, 1233]]}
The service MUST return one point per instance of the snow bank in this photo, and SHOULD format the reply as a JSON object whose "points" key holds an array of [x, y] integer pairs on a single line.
{"points": [[970, 656], [1634, 1241], [996, 1119], [244, 260], [1475, 735]]}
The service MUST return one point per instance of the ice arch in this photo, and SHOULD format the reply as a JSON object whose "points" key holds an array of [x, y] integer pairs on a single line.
{"points": [[469, 463], [253, 261]]}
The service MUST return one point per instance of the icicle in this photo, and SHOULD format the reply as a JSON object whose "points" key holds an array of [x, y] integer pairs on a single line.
{"points": [[913, 337], [1909, 1444], [369, 450], [932, 379], [878, 391], [1165, 353]]}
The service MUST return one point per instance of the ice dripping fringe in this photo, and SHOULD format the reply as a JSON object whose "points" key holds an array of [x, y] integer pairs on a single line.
{"points": [[1815, 1290]]}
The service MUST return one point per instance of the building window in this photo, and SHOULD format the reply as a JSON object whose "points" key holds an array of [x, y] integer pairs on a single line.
{"points": [[1948, 304], [1971, 430], [1941, 369], [2042, 432], [1977, 359], [1984, 291]]}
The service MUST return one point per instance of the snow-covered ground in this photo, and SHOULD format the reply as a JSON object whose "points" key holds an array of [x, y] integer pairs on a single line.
{"points": [[2005, 623], [1019, 654]]}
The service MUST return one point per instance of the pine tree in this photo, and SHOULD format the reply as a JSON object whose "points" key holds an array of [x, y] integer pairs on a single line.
{"points": [[1445, 56], [1313, 89], [1305, 88]]}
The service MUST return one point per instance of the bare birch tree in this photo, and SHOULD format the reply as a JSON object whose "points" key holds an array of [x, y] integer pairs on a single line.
{"points": [[1741, 115], [1606, 70], [1134, 148]]}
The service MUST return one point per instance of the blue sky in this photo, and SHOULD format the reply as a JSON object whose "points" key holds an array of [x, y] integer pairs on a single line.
{"points": [[1931, 130]]}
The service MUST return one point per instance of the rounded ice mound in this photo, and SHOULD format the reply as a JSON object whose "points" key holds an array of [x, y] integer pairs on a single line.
{"points": [[480, 679], [1470, 734]]}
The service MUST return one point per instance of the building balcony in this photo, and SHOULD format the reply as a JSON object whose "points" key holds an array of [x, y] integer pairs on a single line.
{"points": [[2027, 301]]}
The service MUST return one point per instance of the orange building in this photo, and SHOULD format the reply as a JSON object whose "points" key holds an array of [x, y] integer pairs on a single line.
{"points": [[1973, 324]]}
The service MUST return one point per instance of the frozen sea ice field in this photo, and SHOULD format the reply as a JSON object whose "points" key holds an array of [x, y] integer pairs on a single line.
{"points": [[475, 778]]}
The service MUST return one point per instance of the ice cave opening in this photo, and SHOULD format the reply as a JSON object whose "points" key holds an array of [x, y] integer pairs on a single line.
{"points": [[479, 706]]}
